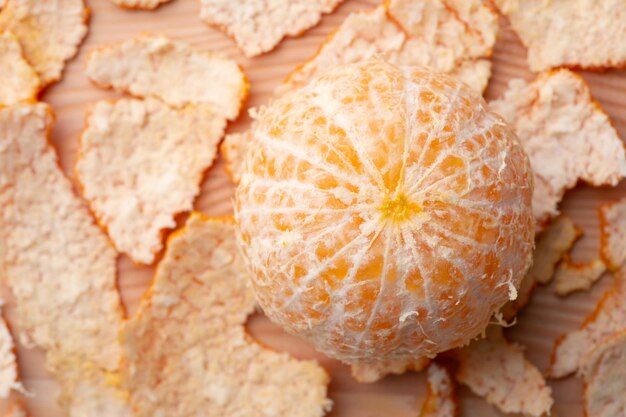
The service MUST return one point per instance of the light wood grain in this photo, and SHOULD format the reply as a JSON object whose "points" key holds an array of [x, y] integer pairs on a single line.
{"points": [[546, 318]]}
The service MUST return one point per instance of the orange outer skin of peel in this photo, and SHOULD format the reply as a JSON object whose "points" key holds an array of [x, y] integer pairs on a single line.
{"points": [[384, 212]]}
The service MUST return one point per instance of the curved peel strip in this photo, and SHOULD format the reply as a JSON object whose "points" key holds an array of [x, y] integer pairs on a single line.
{"points": [[608, 318], [368, 373], [259, 25], [497, 370], [19, 80], [172, 71], [49, 32], [140, 4], [571, 277], [566, 134], [56, 260], [140, 163], [604, 372], [441, 396], [613, 233], [550, 247], [586, 41], [442, 35], [186, 352], [8, 362]]}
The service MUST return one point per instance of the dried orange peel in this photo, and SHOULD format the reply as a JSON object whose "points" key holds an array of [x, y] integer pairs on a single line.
{"points": [[566, 134], [551, 245], [258, 26], [604, 373], [49, 32], [140, 4], [497, 370], [19, 81], [172, 71], [608, 318], [571, 276], [8, 362], [140, 163], [192, 320], [368, 373], [613, 234], [56, 260], [446, 36], [561, 33], [441, 393]]}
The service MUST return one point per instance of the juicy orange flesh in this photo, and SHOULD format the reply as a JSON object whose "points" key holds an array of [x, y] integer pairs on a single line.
{"points": [[402, 211]]}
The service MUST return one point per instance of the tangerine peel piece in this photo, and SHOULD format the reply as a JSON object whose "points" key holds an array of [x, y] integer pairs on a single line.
{"points": [[583, 42], [571, 277], [607, 319], [613, 233], [19, 81], [193, 320], [566, 134], [140, 163], [368, 373], [8, 362], [58, 263], [441, 393], [49, 32], [172, 71], [497, 370], [140, 4], [258, 26], [604, 373], [446, 36]]}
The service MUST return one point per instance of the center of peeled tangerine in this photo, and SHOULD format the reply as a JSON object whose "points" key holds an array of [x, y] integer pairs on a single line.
{"points": [[399, 208]]}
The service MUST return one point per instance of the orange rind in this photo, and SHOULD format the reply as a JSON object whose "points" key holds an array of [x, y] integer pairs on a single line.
{"points": [[613, 234], [186, 351], [497, 370], [559, 33], [19, 81], [604, 373], [140, 164], [367, 212], [566, 134], [172, 71], [49, 32], [571, 276], [368, 373], [446, 36], [59, 265], [258, 26], [608, 318], [441, 393], [140, 4]]}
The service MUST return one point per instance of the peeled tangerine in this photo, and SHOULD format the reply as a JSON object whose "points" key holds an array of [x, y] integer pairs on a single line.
{"points": [[384, 212]]}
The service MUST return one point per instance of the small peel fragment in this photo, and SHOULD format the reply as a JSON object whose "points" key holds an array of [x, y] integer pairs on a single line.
{"points": [[497, 370], [613, 234], [233, 149], [140, 163], [604, 373], [58, 263], [442, 35], [8, 362], [552, 244], [608, 318], [140, 4], [566, 134], [441, 393], [19, 81], [172, 71], [368, 373], [258, 26], [186, 352], [16, 409], [49, 32], [571, 277], [559, 33]]}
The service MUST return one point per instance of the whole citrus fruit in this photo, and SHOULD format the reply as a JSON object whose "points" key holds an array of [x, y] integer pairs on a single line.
{"points": [[384, 212]]}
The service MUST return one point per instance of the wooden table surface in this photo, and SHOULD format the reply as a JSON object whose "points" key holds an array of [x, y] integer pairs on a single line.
{"points": [[400, 396]]}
